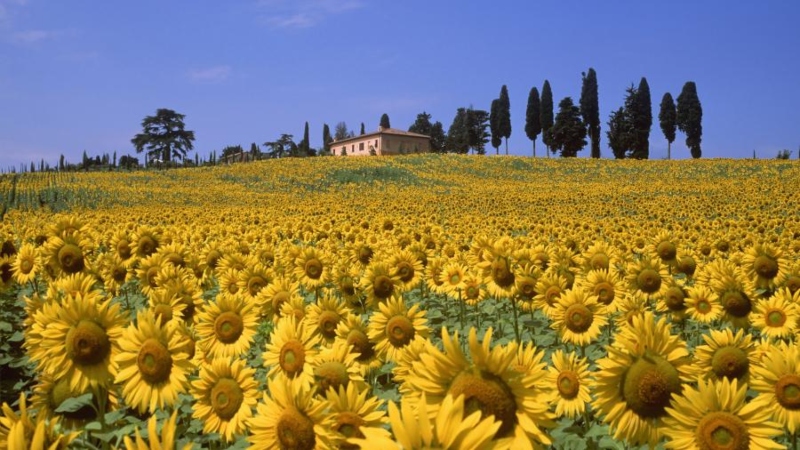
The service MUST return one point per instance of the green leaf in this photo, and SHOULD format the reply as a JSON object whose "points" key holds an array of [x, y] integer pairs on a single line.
{"points": [[113, 416], [5, 326], [93, 426], [16, 337], [75, 403]]}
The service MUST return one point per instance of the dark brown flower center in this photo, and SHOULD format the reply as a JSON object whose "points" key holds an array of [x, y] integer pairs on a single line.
{"points": [[599, 261], [721, 430], [255, 284], [361, 345], [293, 357], [124, 249], [226, 398], [87, 343], [489, 394], [605, 292], [313, 268], [70, 258], [736, 303], [674, 299], [146, 245], [330, 374], [552, 294], [228, 327], [119, 273], [578, 318], [405, 271], [766, 267], [364, 254], [349, 424], [295, 430], [649, 281], [666, 251], [775, 318], [164, 312], [648, 384], [383, 286], [568, 384], [501, 273], [25, 266], [730, 362], [399, 331], [787, 391], [328, 320], [687, 265], [347, 286], [154, 361]]}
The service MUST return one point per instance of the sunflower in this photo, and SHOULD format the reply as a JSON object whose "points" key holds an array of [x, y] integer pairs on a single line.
{"points": [[147, 272], [433, 274], [407, 268], [454, 426], [113, 271], [146, 241], [491, 384], [379, 283], [702, 304], [324, 316], [395, 326], [764, 265], [405, 360], [569, 374], [673, 301], [120, 245], [345, 280], [777, 380], [607, 285], [253, 279], [226, 326], [165, 440], [79, 339], [292, 349], [736, 296], [648, 276], [665, 248], [498, 274], [181, 283], [67, 255], [791, 280], [474, 291], [353, 331], [578, 317], [152, 368], [726, 355], [49, 394], [549, 289], [66, 225], [337, 366], [600, 256], [353, 410], [73, 285], [777, 316], [452, 278], [165, 305], [296, 307], [633, 384], [6, 272], [225, 394], [312, 268], [27, 264], [233, 261], [290, 417], [24, 431], [716, 415]]}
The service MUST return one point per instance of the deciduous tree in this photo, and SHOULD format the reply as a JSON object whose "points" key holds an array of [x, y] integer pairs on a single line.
{"points": [[164, 136], [569, 131], [457, 134]]}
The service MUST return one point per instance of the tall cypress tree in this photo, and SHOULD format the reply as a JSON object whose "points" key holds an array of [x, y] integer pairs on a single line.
{"points": [[666, 118], [362, 129], [533, 124], [590, 109], [385, 121], [642, 120], [690, 117], [569, 131], [547, 116], [305, 146], [326, 139], [504, 115], [494, 125]]}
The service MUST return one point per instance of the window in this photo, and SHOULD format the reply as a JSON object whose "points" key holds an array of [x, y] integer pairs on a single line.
{"points": [[353, 148], [361, 146], [376, 143]]}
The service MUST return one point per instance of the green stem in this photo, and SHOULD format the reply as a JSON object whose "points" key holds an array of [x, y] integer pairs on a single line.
{"points": [[516, 323], [794, 440]]}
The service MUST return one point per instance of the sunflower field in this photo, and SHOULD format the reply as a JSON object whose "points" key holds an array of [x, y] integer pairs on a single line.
{"points": [[416, 302]]}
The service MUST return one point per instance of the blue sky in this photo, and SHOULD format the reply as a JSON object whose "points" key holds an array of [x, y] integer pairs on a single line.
{"points": [[81, 75]]}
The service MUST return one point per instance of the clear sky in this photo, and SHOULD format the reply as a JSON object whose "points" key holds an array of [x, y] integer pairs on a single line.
{"points": [[81, 75]]}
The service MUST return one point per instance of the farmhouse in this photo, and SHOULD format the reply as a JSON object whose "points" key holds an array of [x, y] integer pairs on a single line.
{"points": [[385, 141]]}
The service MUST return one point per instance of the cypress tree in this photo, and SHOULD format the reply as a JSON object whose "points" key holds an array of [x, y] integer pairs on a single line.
{"points": [[642, 120], [326, 138], [305, 149], [385, 121], [546, 118], [590, 109], [494, 125], [690, 118], [504, 115], [533, 124], [362, 129], [666, 118]]}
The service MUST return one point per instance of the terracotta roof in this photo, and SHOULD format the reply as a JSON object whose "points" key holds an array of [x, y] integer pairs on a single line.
{"points": [[391, 131]]}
